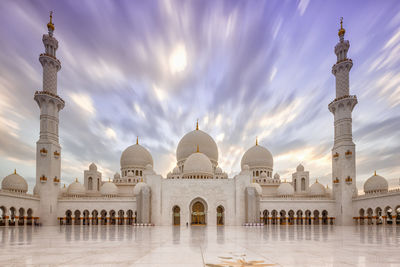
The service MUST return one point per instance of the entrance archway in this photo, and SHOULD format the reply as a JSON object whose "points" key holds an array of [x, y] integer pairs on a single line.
{"points": [[198, 210], [220, 215], [176, 215]]}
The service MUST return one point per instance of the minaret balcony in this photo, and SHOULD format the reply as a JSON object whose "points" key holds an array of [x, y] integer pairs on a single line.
{"points": [[43, 152], [348, 154], [56, 154], [56, 180], [349, 180], [335, 156], [346, 100], [336, 181], [45, 96], [43, 179]]}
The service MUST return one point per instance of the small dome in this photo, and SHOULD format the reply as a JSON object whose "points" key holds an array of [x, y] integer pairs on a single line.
{"points": [[300, 168], [63, 190], [198, 163], [376, 183], [14, 182], [117, 175], [36, 190], [76, 189], [109, 189], [263, 175], [187, 146], [328, 190], [257, 187], [218, 170], [138, 187], [92, 167], [285, 189], [176, 170], [277, 176], [317, 189], [135, 156], [257, 157]]}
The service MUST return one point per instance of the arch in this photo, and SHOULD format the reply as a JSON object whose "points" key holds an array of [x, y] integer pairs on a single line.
{"points": [[3, 215], [362, 215], [77, 217], [388, 215], [86, 217], [21, 216], [316, 217], [29, 218], [220, 215], [176, 215], [265, 216], [378, 216], [198, 210], [121, 217], [325, 217], [397, 212], [11, 221], [303, 184], [112, 217], [282, 217], [291, 217], [299, 215], [369, 216], [103, 215], [129, 214], [274, 219], [308, 217], [95, 215], [90, 183], [68, 217]]}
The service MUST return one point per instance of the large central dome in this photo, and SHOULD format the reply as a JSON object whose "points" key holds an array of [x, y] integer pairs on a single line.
{"points": [[188, 145], [136, 156]]}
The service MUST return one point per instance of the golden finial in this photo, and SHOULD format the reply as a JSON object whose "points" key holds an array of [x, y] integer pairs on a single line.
{"points": [[50, 25], [137, 140], [341, 30], [375, 173], [256, 140], [198, 149], [197, 124], [316, 181], [64, 185], [76, 180], [15, 171], [284, 181], [109, 179]]}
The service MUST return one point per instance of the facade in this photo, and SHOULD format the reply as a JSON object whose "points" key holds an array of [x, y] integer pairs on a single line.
{"points": [[197, 191]]}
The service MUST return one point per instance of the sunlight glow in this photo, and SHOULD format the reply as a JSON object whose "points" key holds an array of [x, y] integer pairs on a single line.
{"points": [[178, 59]]}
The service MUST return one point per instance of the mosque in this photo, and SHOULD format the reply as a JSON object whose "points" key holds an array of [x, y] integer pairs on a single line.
{"points": [[197, 191]]}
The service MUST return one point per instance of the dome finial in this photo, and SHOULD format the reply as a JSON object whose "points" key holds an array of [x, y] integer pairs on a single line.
{"points": [[198, 149], [375, 173], [76, 179], [15, 171], [137, 140], [256, 140], [316, 181], [64, 186], [50, 25], [197, 124], [109, 179], [341, 30]]}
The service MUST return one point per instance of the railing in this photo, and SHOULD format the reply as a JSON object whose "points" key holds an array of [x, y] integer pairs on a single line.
{"points": [[343, 97], [50, 94]]}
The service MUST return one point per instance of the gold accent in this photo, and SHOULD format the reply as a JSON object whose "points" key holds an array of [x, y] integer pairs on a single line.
{"points": [[56, 180], [43, 150], [15, 171], [56, 153], [50, 25], [141, 180], [256, 140], [336, 155], [342, 31], [109, 179], [76, 180], [197, 125], [316, 181], [375, 173], [43, 178], [198, 149], [64, 186], [137, 140]]}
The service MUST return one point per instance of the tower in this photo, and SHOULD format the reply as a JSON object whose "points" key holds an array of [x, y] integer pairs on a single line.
{"points": [[343, 151], [48, 149]]}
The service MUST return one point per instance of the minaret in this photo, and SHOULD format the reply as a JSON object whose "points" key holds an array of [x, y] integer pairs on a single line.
{"points": [[48, 149], [343, 151]]}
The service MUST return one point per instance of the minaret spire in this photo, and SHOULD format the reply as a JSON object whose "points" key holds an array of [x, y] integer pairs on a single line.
{"points": [[50, 25], [344, 149], [197, 124]]}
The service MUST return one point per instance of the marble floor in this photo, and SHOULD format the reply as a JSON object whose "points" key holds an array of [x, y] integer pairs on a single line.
{"points": [[200, 246]]}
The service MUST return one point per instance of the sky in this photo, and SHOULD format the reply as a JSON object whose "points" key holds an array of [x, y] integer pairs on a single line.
{"points": [[243, 68]]}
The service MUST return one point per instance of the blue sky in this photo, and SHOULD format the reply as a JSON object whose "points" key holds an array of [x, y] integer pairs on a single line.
{"points": [[243, 68]]}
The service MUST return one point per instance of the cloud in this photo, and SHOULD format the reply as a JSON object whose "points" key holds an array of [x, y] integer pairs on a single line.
{"points": [[303, 4]]}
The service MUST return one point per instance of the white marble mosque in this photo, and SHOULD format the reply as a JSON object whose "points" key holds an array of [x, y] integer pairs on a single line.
{"points": [[197, 191]]}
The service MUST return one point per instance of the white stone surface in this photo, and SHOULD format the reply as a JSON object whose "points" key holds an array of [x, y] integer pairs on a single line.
{"points": [[198, 246]]}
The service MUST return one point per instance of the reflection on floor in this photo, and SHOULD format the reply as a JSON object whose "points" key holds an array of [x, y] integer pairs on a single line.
{"points": [[201, 246]]}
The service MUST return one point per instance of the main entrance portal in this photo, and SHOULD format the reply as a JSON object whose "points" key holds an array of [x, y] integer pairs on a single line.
{"points": [[198, 214]]}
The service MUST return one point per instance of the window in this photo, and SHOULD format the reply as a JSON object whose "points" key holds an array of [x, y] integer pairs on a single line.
{"points": [[303, 184], [90, 183]]}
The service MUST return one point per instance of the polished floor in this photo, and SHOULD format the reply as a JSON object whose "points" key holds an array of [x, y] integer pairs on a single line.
{"points": [[200, 246]]}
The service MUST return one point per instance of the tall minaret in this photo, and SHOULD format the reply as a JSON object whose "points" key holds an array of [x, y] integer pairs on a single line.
{"points": [[48, 149], [344, 149]]}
